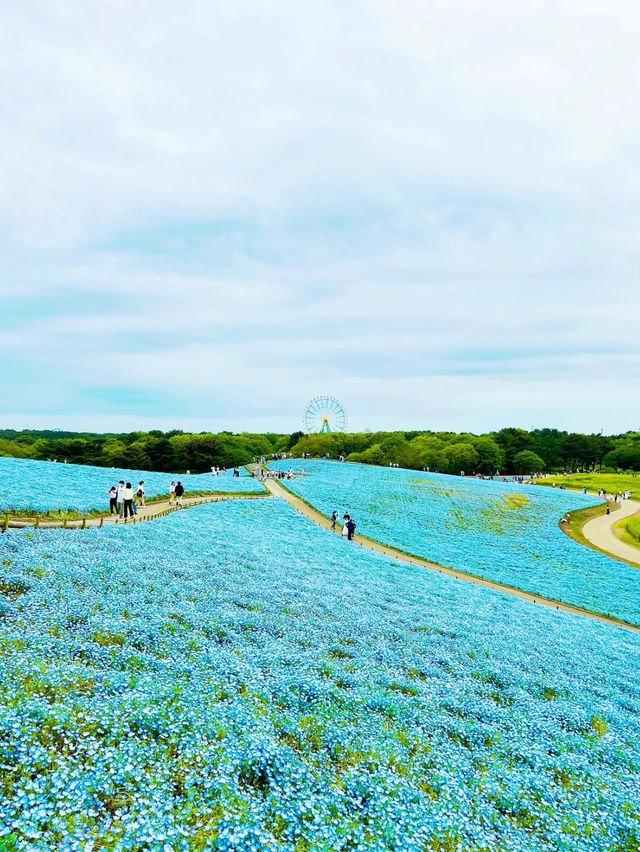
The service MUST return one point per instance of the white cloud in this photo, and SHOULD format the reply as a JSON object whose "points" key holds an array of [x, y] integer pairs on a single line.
{"points": [[429, 209]]}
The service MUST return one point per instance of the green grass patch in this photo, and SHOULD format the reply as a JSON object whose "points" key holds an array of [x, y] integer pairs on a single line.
{"points": [[613, 483], [12, 589], [633, 528], [628, 531]]}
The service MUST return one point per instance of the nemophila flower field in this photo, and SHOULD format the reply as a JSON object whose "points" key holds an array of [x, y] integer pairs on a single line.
{"points": [[232, 677], [47, 486], [502, 531]]}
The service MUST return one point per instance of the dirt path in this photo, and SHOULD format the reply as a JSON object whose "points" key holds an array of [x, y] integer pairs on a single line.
{"points": [[599, 531], [318, 518], [150, 512]]}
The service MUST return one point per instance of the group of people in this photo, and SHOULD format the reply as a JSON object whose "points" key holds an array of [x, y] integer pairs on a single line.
{"points": [[348, 525], [618, 498], [123, 499], [217, 471], [264, 474]]}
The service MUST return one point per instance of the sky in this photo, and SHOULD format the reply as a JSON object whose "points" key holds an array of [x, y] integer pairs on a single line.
{"points": [[211, 213]]}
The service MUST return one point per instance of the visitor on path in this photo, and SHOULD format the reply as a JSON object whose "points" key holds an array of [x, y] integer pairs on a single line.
{"points": [[141, 493], [179, 493], [128, 501], [608, 508], [334, 519], [351, 529], [172, 493], [120, 498], [345, 521], [113, 500]]}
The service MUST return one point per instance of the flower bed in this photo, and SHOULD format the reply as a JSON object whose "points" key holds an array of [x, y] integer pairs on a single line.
{"points": [[502, 531], [235, 678], [47, 486]]}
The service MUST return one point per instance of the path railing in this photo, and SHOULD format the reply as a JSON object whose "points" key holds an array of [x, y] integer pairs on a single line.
{"points": [[157, 510]]}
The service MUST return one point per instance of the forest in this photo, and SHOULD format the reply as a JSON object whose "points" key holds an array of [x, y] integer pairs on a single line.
{"points": [[508, 451]]}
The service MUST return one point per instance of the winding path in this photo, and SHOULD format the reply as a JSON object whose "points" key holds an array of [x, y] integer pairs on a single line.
{"points": [[149, 513], [277, 490], [599, 531]]}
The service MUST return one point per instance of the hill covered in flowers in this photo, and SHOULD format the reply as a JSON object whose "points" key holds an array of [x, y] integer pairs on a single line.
{"points": [[234, 678]]}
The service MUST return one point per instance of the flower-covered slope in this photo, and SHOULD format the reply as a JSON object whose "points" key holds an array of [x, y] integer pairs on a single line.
{"points": [[235, 678], [502, 531], [46, 486]]}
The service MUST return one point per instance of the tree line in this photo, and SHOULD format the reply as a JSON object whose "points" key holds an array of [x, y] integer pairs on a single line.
{"points": [[510, 450]]}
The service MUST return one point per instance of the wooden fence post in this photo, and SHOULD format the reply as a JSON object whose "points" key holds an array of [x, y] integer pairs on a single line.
{"points": [[101, 522], [84, 523]]}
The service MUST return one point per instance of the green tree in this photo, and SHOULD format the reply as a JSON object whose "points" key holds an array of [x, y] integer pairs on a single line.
{"points": [[461, 456], [512, 441], [528, 462], [373, 455], [491, 456], [625, 457]]}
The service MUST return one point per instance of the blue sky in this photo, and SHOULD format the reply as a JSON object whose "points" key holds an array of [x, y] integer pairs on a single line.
{"points": [[210, 214]]}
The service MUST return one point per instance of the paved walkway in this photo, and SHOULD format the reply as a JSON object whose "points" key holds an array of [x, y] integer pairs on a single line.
{"points": [[599, 531], [150, 512], [318, 518], [275, 489]]}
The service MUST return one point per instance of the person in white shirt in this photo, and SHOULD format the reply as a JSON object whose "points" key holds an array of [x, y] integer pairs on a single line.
{"points": [[120, 498], [128, 501], [172, 493]]}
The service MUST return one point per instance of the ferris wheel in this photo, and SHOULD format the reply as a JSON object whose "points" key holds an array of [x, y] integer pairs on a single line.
{"points": [[324, 414]]}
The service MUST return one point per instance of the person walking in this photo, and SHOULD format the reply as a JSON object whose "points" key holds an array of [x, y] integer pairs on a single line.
{"points": [[172, 493], [351, 529], [120, 498], [113, 500], [179, 493], [345, 528], [141, 493], [128, 501], [334, 520]]}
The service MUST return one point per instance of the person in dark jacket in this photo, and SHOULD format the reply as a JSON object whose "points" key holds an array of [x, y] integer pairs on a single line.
{"points": [[334, 519], [179, 493], [351, 529], [113, 500]]}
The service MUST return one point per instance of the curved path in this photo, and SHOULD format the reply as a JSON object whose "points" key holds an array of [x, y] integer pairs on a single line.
{"points": [[599, 531], [277, 490], [150, 512]]}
